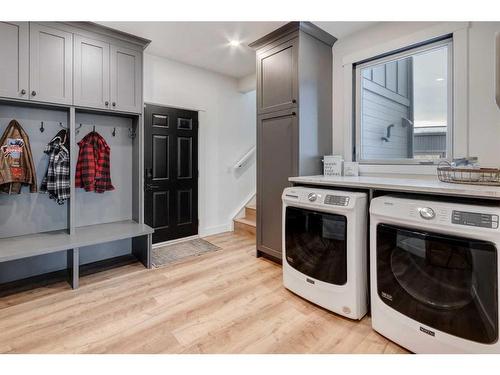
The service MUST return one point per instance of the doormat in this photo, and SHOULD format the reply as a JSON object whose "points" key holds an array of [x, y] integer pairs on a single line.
{"points": [[165, 255]]}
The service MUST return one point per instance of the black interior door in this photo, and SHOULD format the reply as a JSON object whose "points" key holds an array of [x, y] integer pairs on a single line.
{"points": [[171, 172]]}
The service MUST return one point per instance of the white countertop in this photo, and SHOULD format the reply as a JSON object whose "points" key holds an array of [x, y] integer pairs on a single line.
{"points": [[432, 186]]}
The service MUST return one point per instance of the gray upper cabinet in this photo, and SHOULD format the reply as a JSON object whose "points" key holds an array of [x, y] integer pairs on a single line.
{"points": [[91, 73], [14, 44], [51, 64], [126, 82], [277, 77], [71, 63]]}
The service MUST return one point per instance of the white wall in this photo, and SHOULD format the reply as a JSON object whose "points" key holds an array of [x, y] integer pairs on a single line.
{"points": [[483, 114], [227, 120]]}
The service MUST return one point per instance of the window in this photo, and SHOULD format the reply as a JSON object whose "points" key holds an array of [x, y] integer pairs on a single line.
{"points": [[404, 106]]}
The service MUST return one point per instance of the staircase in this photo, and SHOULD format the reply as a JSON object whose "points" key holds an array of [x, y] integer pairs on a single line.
{"points": [[247, 223]]}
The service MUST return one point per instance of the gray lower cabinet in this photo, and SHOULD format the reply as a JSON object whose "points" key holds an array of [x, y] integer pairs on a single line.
{"points": [[277, 159], [277, 72], [126, 74], [294, 118], [51, 65], [91, 73], [14, 44]]}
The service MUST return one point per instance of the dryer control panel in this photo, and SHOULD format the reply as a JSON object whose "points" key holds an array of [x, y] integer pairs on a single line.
{"points": [[336, 200], [474, 219]]}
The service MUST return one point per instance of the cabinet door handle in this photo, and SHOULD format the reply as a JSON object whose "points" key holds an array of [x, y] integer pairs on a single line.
{"points": [[33, 93], [23, 92], [106, 103], [113, 104], [294, 100], [294, 114]]}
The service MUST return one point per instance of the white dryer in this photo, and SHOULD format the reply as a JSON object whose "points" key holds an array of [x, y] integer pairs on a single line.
{"points": [[434, 274], [324, 248]]}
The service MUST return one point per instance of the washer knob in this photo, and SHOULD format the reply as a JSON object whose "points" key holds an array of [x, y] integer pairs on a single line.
{"points": [[427, 213], [312, 197]]}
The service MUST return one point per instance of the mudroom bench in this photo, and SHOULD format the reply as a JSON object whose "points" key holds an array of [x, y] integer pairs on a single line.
{"points": [[14, 248]]}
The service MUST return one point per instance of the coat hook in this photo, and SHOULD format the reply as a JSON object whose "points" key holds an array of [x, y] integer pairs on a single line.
{"points": [[42, 129], [131, 133], [77, 130], [114, 132], [93, 128]]}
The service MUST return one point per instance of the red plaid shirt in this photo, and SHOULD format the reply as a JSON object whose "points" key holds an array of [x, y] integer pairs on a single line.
{"points": [[93, 166]]}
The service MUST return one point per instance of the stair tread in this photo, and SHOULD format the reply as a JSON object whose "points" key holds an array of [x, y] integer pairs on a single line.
{"points": [[251, 206], [244, 220]]}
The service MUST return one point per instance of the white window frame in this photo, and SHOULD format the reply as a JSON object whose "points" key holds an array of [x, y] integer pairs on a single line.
{"points": [[358, 106], [460, 33]]}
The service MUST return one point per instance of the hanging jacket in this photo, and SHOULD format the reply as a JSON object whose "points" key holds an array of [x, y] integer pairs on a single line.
{"points": [[93, 165], [57, 182], [16, 160]]}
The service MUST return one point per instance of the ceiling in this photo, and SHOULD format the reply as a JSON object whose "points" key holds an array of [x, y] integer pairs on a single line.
{"points": [[206, 44]]}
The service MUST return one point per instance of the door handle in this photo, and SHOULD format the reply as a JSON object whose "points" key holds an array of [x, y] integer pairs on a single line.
{"points": [[151, 186]]}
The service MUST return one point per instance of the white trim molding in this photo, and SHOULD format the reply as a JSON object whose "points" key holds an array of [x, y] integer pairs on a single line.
{"points": [[436, 31], [209, 231], [240, 210], [460, 33]]}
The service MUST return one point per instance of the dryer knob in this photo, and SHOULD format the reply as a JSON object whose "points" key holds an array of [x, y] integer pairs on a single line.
{"points": [[312, 197], [427, 213]]}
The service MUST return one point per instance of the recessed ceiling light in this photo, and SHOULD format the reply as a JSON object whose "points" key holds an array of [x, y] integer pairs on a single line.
{"points": [[234, 43], [439, 79]]}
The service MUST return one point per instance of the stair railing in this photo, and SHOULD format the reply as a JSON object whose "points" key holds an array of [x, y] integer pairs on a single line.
{"points": [[244, 159]]}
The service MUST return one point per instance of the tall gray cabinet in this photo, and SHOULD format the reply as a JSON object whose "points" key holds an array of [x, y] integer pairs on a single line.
{"points": [[294, 118]]}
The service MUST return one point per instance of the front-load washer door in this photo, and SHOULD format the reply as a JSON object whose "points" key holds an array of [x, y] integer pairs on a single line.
{"points": [[445, 282], [315, 244]]}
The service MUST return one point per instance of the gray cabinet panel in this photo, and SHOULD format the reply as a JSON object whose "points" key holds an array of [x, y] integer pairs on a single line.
{"points": [[14, 44], [126, 73], [277, 137], [277, 77], [91, 73], [51, 68]]}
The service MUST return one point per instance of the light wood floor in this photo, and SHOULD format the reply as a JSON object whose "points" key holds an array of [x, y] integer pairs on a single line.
{"points": [[222, 302]]}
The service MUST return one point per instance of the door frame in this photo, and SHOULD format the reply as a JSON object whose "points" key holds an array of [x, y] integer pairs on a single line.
{"points": [[200, 185]]}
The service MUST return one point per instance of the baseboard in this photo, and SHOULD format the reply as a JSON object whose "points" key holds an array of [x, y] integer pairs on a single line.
{"points": [[178, 240], [204, 232]]}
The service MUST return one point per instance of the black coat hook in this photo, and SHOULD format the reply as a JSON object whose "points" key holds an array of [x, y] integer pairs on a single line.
{"points": [[114, 132], [42, 129], [93, 128]]}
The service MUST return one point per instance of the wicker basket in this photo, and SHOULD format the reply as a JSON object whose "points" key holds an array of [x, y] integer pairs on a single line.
{"points": [[464, 175]]}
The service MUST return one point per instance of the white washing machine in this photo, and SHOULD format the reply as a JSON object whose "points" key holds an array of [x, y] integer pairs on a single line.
{"points": [[324, 248], [434, 274]]}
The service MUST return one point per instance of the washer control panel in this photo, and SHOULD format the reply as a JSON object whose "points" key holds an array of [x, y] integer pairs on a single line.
{"points": [[336, 200], [474, 219]]}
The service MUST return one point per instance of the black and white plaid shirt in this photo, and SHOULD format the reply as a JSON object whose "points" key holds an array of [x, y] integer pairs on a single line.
{"points": [[57, 178]]}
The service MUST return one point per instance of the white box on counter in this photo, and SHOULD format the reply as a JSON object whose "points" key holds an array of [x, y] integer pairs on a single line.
{"points": [[332, 165]]}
